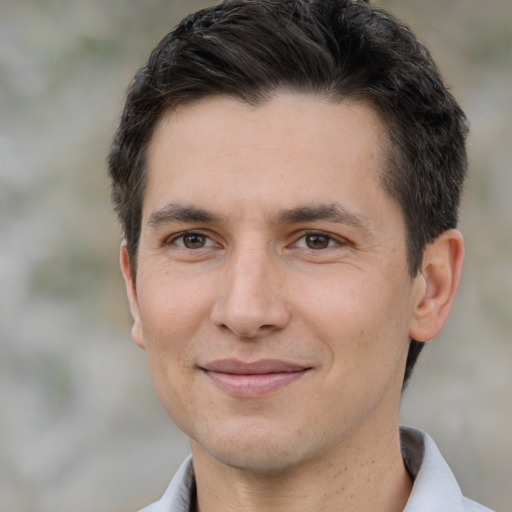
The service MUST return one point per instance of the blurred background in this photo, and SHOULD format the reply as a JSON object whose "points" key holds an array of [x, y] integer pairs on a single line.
{"points": [[80, 428]]}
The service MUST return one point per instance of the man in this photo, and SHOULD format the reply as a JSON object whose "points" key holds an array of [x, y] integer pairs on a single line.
{"points": [[287, 174]]}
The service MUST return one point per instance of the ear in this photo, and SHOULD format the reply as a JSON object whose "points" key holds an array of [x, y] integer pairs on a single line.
{"points": [[437, 284], [131, 291]]}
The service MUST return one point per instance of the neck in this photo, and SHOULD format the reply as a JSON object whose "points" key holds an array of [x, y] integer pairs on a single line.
{"points": [[356, 477]]}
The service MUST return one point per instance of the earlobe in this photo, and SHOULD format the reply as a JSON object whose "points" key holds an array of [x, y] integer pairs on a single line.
{"points": [[438, 282], [131, 291]]}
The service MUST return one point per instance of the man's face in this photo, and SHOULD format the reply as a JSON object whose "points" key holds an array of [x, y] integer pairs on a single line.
{"points": [[272, 295]]}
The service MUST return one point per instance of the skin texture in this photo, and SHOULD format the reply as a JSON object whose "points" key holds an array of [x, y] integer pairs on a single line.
{"points": [[293, 253]]}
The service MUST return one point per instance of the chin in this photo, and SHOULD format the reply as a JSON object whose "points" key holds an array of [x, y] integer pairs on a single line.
{"points": [[257, 459], [258, 450]]}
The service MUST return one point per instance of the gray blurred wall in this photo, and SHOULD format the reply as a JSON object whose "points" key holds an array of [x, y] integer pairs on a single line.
{"points": [[80, 428]]}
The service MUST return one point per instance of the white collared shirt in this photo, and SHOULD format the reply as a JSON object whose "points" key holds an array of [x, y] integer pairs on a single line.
{"points": [[434, 490]]}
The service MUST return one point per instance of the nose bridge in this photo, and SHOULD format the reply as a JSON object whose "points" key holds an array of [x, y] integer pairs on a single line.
{"points": [[249, 300], [248, 269]]}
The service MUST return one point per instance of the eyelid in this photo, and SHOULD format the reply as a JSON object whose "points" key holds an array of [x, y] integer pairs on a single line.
{"points": [[337, 239], [334, 240], [172, 239]]}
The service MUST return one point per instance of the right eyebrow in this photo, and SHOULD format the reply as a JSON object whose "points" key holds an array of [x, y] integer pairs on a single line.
{"points": [[181, 213]]}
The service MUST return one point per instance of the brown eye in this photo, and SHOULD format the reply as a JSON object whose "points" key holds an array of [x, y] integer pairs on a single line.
{"points": [[193, 240], [317, 241]]}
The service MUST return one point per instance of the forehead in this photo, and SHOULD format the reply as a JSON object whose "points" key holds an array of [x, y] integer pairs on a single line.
{"points": [[291, 149]]}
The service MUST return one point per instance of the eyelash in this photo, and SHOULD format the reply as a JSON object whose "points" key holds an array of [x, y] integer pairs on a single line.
{"points": [[208, 242], [331, 240], [181, 236]]}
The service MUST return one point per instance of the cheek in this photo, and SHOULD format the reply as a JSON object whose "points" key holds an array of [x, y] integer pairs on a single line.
{"points": [[169, 333], [172, 314], [171, 308], [360, 318], [338, 303]]}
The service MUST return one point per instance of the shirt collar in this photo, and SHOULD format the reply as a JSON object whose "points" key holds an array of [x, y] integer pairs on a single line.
{"points": [[435, 488]]}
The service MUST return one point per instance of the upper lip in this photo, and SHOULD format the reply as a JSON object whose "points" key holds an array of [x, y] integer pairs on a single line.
{"points": [[260, 367]]}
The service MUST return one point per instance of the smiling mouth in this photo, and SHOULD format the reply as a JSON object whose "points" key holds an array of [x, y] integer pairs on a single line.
{"points": [[253, 379]]}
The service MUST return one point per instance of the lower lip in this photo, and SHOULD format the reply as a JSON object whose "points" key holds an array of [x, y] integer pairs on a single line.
{"points": [[253, 385]]}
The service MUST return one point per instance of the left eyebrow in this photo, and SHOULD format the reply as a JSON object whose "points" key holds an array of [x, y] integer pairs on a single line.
{"points": [[332, 212]]}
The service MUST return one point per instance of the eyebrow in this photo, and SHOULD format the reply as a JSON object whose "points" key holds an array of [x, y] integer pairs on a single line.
{"points": [[181, 213], [332, 212]]}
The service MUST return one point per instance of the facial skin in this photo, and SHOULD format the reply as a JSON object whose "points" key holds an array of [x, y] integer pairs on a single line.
{"points": [[269, 245]]}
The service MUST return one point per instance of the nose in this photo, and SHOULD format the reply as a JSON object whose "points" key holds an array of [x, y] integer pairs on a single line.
{"points": [[250, 299]]}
